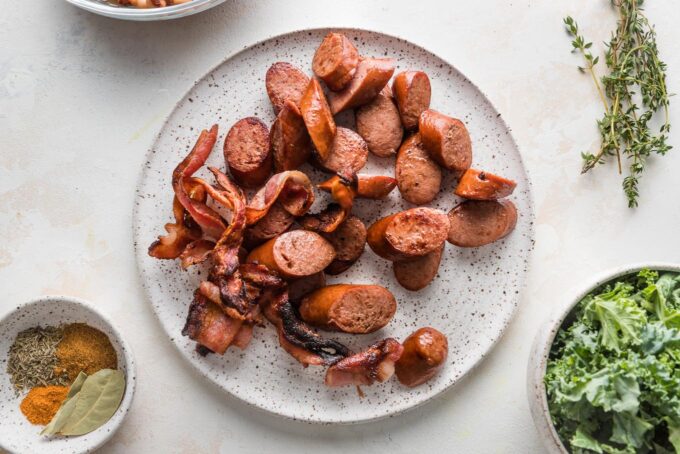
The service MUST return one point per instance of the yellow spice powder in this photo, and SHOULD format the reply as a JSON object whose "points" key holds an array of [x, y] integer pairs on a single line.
{"points": [[42, 402], [85, 349]]}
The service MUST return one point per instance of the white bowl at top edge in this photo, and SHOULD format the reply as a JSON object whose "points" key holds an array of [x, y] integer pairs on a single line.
{"points": [[145, 14], [538, 359], [17, 435]]}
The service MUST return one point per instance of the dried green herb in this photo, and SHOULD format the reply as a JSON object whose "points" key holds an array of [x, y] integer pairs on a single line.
{"points": [[96, 402], [32, 359], [632, 92], [66, 409]]}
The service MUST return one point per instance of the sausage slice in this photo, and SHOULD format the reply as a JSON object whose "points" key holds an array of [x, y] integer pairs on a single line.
{"points": [[413, 92], [378, 122], [275, 222], [418, 176], [446, 139], [294, 254], [408, 234], [475, 223], [348, 240], [357, 309], [290, 142], [247, 152], [425, 353], [318, 118], [479, 185], [285, 82], [349, 152], [299, 288], [370, 78], [416, 274], [335, 61]]}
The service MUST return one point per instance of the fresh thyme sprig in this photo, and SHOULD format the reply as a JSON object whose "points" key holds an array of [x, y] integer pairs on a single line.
{"points": [[635, 74]]}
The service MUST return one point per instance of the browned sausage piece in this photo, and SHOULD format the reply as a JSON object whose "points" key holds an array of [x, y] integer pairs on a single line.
{"points": [[475, 223], [408, 234], [412, 91], [370, 78], [446, 139], [335, 61], [299, 288], [424, 355], [416, 274], [290, 142], [247, 152], [318, 118], [379, 124], [356, 309], [418, 176], [348, 153], [285, 82], [348, 240], [479, 185], [294, 254], [275, 222], [374, 186]]}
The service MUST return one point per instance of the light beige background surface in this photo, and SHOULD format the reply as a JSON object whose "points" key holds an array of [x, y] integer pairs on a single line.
{"points": [[82, 96]]}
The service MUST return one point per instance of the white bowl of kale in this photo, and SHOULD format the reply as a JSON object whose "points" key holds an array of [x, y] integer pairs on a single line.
{"points": [[604, 374]]}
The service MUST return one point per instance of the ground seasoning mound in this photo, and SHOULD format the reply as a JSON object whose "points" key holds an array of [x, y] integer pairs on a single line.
{"points": [[31, 359], [83, 348], [42, 402]]}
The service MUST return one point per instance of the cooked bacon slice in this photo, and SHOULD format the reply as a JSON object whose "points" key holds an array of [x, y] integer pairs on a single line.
{"points": [[367, 186], [208, 219], [244, 336], [376, 363], [196, 252], [296, 337], [291, 188], [208, 325]]}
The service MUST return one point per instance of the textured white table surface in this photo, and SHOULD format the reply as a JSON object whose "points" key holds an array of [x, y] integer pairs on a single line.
{"points": [[82, 96]]}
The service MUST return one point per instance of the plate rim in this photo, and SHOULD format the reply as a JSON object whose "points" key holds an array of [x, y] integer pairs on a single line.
{"points": [[140, 250]]}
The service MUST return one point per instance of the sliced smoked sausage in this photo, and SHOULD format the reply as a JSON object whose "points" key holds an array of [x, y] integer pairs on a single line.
{"points": [[247, 152], [378, 122], [335, 61], [367, 187], [446, 139], [418, 176], [348, 240], [318, 118], [356, 309], [412, 92], [290, 142], [408, 234], [275, 222], [294, 254], [285, 82], [349, 152], [475, 223], [370, 78], [299, 288], [416, 274], [479, 185], [425, 353]]}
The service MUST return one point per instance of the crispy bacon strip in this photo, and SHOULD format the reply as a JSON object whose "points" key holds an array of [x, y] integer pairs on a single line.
{"points": [[296, 337], [367, 187], [208, 325], [208, 219], [376, 363], [196, 252], [291, 188]]}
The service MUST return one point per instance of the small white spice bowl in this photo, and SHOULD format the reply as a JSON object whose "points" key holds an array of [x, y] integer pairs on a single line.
{"points": [[17, 435], [538, 360]]}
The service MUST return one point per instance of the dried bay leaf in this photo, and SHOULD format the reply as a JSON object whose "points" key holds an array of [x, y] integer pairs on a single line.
{"points": [[97, 401], [59, 419]]}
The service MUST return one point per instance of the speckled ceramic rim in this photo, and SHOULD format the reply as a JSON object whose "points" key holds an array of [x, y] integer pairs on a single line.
{"points": [[538, 399], [146, 14], [128, 358], [141, 250]]}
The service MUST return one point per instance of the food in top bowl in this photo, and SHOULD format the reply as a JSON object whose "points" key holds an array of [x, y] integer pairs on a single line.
{"points": [[613, 374], [149, 3]]}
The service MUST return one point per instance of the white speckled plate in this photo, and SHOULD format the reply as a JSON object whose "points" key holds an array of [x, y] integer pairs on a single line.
{"points": [[471, 301], [17, 435]]}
